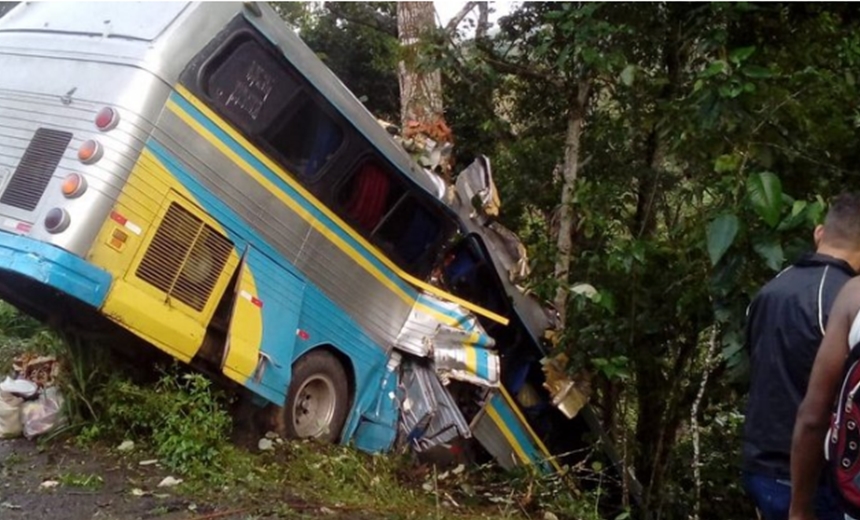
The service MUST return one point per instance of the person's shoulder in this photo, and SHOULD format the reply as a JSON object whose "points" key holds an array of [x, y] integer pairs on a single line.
{"points": [[852, 286], [849, 296]]}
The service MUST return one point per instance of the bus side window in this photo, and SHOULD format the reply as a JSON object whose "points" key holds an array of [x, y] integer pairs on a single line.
{"points": [[368, 195], [248, 86], [410, 230], [307, 139], [261, 95], [377, 203]]}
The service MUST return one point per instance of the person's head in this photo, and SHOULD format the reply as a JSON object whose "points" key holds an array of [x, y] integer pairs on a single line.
{"points": [[841, 229]]}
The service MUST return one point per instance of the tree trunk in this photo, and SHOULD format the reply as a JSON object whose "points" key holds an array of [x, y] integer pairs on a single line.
{"points": [[483, 20], [570, 172], [420, 91]]}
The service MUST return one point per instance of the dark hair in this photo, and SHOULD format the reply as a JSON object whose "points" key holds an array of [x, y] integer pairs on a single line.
{"points": [[842, 224]]}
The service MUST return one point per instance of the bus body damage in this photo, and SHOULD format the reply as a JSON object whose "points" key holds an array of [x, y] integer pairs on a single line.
{"points": [[443, 343]]}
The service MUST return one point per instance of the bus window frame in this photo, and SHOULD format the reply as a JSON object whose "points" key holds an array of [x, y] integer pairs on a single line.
{"points": [[216, 56], [425, 263]]}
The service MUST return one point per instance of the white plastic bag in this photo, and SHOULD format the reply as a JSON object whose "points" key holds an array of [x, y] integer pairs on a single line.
{"points": [[43, 414], [10, 416]]}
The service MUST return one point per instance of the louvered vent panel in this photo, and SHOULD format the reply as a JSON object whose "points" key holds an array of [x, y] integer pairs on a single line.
{"points": [[36, 168], [185, 258]]}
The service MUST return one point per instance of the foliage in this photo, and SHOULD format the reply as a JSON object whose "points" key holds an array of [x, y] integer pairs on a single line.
{"points": [[358, 41], [181, 416], [715, 135], [20, 333]]}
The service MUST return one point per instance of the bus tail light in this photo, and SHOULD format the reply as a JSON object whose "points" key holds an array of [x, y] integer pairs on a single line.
{"points": [[57, 220], [90, 151], [74, 185], [107, 119]]}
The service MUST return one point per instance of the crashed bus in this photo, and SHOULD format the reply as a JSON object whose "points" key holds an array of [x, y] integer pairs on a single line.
{"points": [[191, 173]]}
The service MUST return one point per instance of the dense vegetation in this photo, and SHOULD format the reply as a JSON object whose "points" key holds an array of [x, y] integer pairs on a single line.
{"points": [[705, 140]]}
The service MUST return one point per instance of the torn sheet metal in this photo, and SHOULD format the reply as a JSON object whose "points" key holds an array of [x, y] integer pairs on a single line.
{"points": [[475, 186], [506, 435], [470, 363], [567, 396], [429, 417], [453, 337]]}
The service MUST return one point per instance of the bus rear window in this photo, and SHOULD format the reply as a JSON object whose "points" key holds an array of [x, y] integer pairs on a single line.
{"points": [[250, 87]]}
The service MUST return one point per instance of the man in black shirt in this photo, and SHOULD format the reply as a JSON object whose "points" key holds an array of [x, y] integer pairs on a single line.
{"points": [[786, 323]]}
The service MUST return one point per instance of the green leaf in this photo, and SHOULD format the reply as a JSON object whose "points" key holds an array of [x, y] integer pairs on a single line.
{"points": [[721, 234], [726, 163], [771, 252], [798, 207], [764, 190], [755, 71], [714, 68], [815, 212], [739, 55], [628, 75]]}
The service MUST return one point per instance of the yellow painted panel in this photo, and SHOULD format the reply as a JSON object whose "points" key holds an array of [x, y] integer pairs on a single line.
{"points": [[167, 328], [246, 331], [167, 323], [203, 316], [140, 203]]}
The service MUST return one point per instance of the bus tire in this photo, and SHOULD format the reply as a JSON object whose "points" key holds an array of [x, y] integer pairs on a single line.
{"points": [[318, 398]]}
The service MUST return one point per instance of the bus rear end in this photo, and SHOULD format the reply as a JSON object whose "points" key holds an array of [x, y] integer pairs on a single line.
{"points": [[77, 104]]}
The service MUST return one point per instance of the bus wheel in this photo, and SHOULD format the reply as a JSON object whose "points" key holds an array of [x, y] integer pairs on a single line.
{"points": [[317, 399]]}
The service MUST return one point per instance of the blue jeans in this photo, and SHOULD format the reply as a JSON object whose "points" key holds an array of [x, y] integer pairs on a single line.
{"points": [[772, 497]]}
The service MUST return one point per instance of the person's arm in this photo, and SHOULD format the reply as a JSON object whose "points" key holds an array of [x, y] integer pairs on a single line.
{"points": [[813, 417]]}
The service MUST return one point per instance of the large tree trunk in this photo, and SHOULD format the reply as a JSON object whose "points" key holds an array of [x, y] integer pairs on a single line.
{"points": [[570, 172], [420, 91]]}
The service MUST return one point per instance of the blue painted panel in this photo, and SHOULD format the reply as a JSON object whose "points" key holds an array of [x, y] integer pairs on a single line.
{"points": [[281, 294], [516, 428], [55, 267]]}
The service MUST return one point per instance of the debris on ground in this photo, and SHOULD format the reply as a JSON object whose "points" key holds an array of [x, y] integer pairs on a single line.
{"points": [[41, 370], [30, 402], [170, 482], [10, 416], [43, 414], [126, 446]]}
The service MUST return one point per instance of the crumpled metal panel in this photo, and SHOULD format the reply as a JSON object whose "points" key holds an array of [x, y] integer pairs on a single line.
{"points": [[475, 185], [429, 417], [453, 338], [457, 359], [566, 395]]}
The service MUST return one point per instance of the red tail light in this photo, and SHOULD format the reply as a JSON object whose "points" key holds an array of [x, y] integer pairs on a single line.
{"points": [[107, 119]]}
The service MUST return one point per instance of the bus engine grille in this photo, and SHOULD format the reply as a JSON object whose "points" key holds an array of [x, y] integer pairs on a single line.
{"points": [[33, 173], [185, 258]]}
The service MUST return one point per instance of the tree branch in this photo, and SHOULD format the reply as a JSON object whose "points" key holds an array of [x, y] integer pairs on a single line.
{"points": [[452, 25], [523, 72], [368, 18]]}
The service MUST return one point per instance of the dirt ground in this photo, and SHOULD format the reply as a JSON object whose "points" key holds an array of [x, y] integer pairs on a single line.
{"points": [[97, 484], [80, 495]]}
